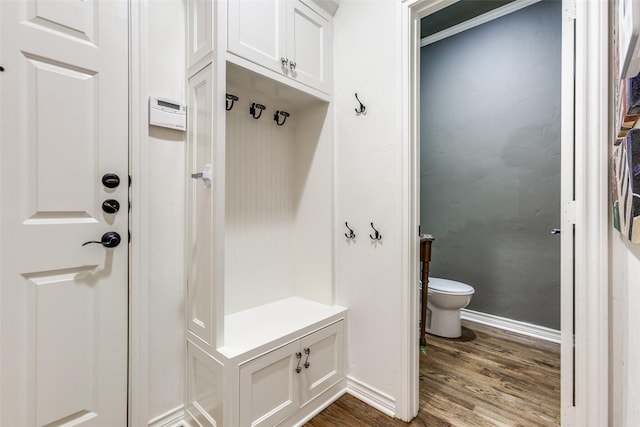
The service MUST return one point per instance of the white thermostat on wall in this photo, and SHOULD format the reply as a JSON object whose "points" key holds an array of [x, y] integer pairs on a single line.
{"points": [[167, 114]]}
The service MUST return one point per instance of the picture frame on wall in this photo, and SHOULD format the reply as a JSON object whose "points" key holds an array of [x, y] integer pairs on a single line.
{"points": [[628, 12], [625, 162]]}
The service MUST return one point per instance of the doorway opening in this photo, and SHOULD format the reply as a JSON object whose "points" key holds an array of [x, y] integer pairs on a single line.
{"points": [[490, 176]]}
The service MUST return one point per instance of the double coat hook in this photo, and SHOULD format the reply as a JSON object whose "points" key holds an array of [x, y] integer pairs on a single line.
{"points": [[254, 107], [362, 107], [231, 98], [351, 234], [276, 117], [376, 235]]}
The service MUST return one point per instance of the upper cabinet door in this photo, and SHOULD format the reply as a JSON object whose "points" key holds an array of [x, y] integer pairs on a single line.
{"points": [[257, 31], [200, 31], [309, 40], [288, 37]]}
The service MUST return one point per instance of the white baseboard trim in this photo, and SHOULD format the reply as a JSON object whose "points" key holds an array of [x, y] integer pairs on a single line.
{"points": [[171, 418], [369, 395], [523, 328]]}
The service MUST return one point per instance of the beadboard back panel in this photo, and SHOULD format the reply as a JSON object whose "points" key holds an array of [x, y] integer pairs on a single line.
{"points": [[314, 189], [260, 209], [279, 204]]}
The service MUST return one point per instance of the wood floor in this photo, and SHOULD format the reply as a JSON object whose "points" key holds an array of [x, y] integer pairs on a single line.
{"points": [[487, 377]]}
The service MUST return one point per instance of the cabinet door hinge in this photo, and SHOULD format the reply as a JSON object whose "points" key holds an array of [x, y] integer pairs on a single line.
{"points": [[569, 10], [569, 211]]}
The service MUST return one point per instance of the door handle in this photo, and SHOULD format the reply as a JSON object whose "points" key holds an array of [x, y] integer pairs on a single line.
{"points": [[299, 357], [110, 239], [555, 231], [206, 175], [307, 351]]}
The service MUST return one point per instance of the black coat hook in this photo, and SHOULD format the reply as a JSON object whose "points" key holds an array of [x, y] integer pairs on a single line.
{"points": [[376, 235], [254, 107], [362, 107], [231, 98], [276, 117], [351, 234]]}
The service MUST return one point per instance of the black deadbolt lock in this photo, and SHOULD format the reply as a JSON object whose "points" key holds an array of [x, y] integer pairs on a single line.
{"points": [[110, 180], [110, 206]]}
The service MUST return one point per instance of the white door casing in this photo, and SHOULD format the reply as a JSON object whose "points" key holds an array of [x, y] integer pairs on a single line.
{"points": [[584, 114], [63, 124]]}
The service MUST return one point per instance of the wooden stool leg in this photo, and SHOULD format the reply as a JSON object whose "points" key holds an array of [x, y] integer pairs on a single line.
{"points": [[425, 258]]}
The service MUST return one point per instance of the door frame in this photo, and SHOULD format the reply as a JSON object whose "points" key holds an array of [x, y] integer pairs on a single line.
{"points": [[139, 247], [589, 211]]}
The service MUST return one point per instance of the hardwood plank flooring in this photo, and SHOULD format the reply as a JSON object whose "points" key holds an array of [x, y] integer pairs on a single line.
{"points": [[487, 377]]}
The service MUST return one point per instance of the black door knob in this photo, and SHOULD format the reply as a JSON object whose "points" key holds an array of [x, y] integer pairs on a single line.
{"points": [[110, 180], [110, 206], [110, 239]]}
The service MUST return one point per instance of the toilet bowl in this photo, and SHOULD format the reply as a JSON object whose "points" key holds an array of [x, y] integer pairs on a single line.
{"points": [[445, 299]]}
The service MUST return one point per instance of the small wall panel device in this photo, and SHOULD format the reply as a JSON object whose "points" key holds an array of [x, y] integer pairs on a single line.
{"points": [[168, 114]]}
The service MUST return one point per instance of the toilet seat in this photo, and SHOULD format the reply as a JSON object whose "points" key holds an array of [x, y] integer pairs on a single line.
{"points": [[449, 287]]}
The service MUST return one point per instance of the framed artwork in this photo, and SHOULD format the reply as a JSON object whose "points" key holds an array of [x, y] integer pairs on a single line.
{"points": [[628, 18], [625, 162], [626, 186]]}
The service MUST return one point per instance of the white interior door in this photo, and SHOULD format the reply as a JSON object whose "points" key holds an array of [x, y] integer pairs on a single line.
{"points": [[568, 219], [63, 125]]}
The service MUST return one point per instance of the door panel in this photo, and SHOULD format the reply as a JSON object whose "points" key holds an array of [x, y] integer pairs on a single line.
{"points": [[308, 44], [200, 213], [269, 387], [69, 18], [63, 124], [60, 187], [257, 32], [325, 364]]}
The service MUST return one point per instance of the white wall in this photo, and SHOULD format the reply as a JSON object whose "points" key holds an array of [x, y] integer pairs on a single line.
{"points": [[158, 173], [624, 332], [368, 189]]}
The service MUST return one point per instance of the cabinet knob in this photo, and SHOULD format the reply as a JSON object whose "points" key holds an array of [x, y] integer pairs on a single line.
{"points": [[284, 61], [292, 65]]}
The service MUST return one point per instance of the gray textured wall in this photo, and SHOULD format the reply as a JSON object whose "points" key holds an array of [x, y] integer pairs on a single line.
{"points": [[490, 162]]}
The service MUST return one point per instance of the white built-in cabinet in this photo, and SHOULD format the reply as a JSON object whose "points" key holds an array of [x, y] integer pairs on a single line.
{"points": [[287, 37], [277, 384], [265, 341]]}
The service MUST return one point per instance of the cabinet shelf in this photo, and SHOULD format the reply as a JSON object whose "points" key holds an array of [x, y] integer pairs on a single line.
{"points": [[275, 323]]}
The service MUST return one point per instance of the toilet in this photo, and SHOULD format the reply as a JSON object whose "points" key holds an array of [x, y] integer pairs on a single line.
{"points": [[445, 299]]}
